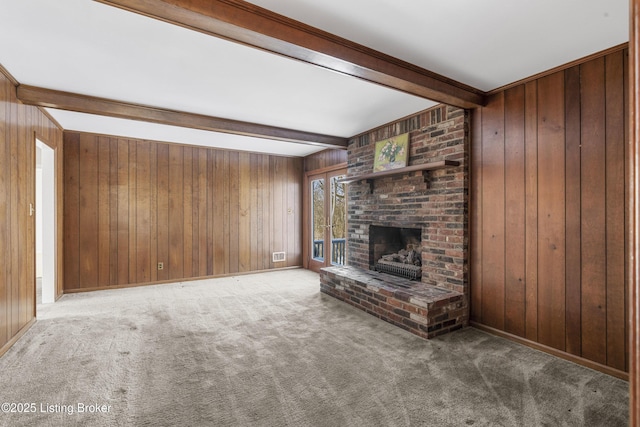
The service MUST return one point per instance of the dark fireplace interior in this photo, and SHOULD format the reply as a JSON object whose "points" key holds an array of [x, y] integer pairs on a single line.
{"points": [[397, 248]]}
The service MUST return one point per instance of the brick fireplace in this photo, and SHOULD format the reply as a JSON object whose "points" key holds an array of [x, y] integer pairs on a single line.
{"points": [[433, 202]]}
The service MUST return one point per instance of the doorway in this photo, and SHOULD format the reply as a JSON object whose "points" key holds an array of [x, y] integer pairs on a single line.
{"points": [[327, 243], [45, 223]]}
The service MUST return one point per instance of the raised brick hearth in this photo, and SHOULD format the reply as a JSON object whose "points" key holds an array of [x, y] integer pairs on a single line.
{"points": [[436, 203], [421, 309]]}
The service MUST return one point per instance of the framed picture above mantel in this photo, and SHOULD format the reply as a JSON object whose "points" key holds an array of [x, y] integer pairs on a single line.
{"points": [[391, 153]]}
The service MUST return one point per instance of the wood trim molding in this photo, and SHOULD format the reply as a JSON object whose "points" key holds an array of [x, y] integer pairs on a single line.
{"points": [[17, 336], [559, 68], [633, 241], [561, 354], [242, 22], [8, 75], [88, 104]]}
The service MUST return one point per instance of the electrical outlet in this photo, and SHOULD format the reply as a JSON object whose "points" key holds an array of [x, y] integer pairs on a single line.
{"points": [[278, 256], [161, 266]]}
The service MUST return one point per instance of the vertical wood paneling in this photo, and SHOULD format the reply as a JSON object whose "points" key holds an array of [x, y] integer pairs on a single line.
{"points": [[71, 210], [573, 270], [551, 212], [176, 211], [163, 210], [187, 228], [476, 218], [123, 212], [104, 212], [233, 188], [89, 209], [514, 211], [133, 210], [5, 213], [204, 212], [245, 232], [113, 211], [593, 219], [493, 238], [531, 210], [615, 209], [253, 209], [143, 213], [19, 124], [153, 214], [200, 211], [569, 204]]}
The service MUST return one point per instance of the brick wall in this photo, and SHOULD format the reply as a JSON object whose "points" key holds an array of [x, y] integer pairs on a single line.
{"points": [[439, 206]]}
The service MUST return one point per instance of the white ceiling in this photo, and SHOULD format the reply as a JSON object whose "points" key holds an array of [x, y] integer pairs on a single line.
{"points": [[89, 48]]}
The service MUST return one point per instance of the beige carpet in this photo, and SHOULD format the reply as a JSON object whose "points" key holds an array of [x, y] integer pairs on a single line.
{"points": [[270, 350]]}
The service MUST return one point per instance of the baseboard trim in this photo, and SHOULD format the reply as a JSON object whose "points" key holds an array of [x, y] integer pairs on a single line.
{"points": [[558, 353], [164, 282], [16, 337]]}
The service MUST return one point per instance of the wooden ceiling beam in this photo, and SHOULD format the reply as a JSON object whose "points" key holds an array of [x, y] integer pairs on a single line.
{"points": [[257, 27], [106, 107]]}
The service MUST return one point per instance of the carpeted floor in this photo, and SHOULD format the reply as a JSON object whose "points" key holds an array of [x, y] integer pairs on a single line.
{"points": [[270, 350]]}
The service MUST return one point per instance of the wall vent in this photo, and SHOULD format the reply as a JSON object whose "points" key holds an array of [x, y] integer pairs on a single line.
{"points": [[278, 256]]}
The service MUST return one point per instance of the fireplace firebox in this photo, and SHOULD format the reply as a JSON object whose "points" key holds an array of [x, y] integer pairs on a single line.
{"points": [[396, 250]]}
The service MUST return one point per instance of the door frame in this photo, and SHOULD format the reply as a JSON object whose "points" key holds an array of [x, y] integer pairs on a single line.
{"points": [[306, 209]]}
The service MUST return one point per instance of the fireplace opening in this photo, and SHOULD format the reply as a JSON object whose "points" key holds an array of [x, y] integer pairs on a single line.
{"points": [[396, 250]]}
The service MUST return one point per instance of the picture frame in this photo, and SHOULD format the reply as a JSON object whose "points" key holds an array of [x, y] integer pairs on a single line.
{"points": [[391, 153]]}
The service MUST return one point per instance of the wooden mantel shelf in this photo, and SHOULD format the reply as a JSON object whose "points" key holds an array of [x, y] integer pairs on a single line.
{"points": [[369, 177]]}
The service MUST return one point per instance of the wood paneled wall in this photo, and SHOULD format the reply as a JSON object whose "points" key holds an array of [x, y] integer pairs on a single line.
{"points": [[19, 124], [324, 159], [130, 204], [548, 211]]}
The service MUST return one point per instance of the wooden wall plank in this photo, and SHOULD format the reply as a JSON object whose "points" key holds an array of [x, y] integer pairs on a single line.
{"points": [[123, 211], [187, 216], [5, 212], [16, 214], [89, 211], [245, 233], [493, 237], [153, 215], [133, 210], [573, 339], [195, 213], [253, 209], [24, 198], [233, 188], [176, 211], [551, 211], [104, 211], [163, 210], [514, 175], [143, 213], [475, 216], [71, 210], [615, 210], [593, 219], [531, 210], [113, 211], [203, 212], [221, 212]]}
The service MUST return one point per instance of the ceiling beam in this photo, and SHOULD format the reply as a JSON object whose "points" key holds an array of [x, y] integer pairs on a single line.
{"points": [[254, 26], [106, 107]]}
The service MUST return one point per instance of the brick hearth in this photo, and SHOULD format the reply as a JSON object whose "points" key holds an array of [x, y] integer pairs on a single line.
{"points": [[424, 310], [438, 205]]}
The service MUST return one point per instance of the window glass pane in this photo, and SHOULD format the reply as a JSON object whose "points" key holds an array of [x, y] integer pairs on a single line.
{"points": [[338, 221], [318, 217]]}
